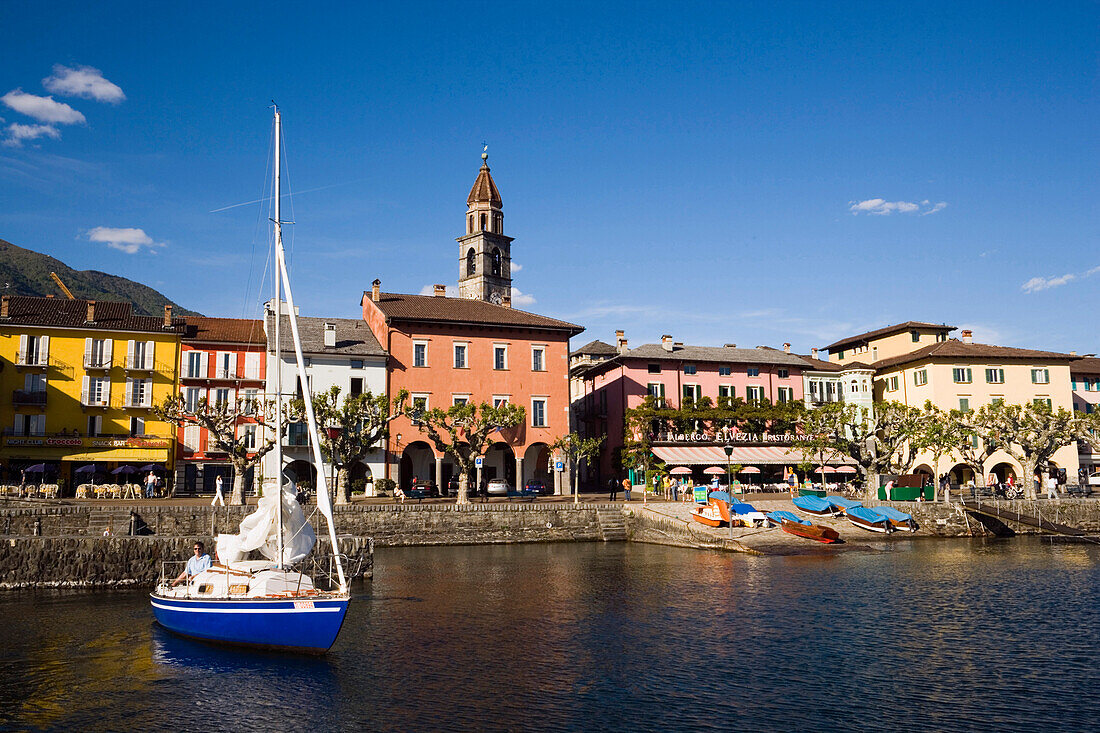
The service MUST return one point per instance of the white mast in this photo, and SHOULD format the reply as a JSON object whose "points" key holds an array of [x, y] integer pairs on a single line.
{"points": [[324, 503], [278, 343]]}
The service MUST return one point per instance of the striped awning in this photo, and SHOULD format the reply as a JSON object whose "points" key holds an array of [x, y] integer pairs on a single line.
{"points": [[746, 455]]}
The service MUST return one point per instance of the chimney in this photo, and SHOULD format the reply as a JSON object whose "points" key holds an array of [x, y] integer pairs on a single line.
{"points": [[786, 348], [666, 342], [90, 317], [49, 295], [440, 291], [678, 345], [968, 337], [376, 290], [1073, 353], [506, 301], [729, 346], [330, 335], [167, 316], [5, 305], [813, 353], [620, 341]]}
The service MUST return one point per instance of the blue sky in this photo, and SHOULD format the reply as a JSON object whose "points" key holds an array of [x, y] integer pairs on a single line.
{"points": [[665, 168]]}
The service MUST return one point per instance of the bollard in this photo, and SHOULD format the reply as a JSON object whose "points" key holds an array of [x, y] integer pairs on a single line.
{"points": [[133, 522], [37, 526]]}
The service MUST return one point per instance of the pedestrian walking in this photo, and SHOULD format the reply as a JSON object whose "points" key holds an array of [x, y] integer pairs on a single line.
{"points": [[945, 485], [150, 485], [1052, 487], [219, 497], [613, 487], [626, 488]]}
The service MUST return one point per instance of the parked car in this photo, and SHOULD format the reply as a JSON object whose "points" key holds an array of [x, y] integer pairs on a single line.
{"points": [[426, 486], [498, 487], [538, 486]]}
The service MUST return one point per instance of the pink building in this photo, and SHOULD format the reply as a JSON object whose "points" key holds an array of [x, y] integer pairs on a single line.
{"points": [[677, 375], [1085, 382]]}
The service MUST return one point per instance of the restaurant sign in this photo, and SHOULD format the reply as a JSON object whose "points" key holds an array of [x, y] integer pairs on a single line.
{"points": [[725, 435], [62, 441]]}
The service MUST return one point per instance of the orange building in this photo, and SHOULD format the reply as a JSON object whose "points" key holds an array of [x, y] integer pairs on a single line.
{"points": [[476, 348], [222, 360]]}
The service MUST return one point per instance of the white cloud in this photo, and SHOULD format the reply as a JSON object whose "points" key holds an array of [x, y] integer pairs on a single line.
{"points": [[520, 298], [516, 267], [18, 133], [882, 207], [43, 109], [128, 240], [1036, 284], [83, 81]]}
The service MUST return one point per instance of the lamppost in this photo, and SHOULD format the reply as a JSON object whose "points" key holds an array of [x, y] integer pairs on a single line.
{"points": [[333, 436], [729, 483]]}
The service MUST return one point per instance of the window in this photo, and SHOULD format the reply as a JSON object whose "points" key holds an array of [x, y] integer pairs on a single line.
{"points": [[1042, 402], [915, 335], [248, 437], [962, 375], [251, 401], [34, 350], [725, 371], [460, 356], [1040, 376], [420, 354], [725, 395], [892, 383], [95, 426], [30, 424], [357, 363], [692, 393], [137, 426], [920, 377], [221, 396], [500, 357], [419, 406], [499, 400], [964, 404], [227, 365], [191, 399], [139, 355], [34, 382], [538, 412], [874, 354], [997, 401], [840, 354], [252, 365], [783, 373], [941, 336], [995, 376], [356, 386], [654, 368], [784, 394], [689, 369], [460, 399], [753, 371], [471, 261], [538, 358], [97, 353], [97, 391], [656, 390], [1087, 382], [139, 392], [195, 368], [754, 394], [497, 263], [297, 433]]}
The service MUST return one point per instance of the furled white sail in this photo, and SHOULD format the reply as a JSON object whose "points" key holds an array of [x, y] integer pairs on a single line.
{"points": [[260, 531]]}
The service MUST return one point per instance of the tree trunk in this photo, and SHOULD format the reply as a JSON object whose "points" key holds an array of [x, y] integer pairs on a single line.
{"points": [[463, 486], [343, 491], [237, 497], [1029, 466], [870, 479]]}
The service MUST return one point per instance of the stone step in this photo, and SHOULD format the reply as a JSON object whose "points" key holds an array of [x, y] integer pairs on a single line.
{"points": [[99, 520], [612, 525]]}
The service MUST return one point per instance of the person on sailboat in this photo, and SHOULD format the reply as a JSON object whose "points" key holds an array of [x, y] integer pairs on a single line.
{"points": [[195, 565]]}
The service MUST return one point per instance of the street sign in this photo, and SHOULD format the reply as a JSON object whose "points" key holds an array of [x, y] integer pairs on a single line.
{"points": [[477, 461], [559, 466]]}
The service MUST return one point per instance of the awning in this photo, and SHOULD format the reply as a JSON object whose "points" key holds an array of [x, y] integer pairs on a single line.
{"points": [[746, 455]]}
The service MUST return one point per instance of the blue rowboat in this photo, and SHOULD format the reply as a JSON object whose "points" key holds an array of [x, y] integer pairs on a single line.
{"points": [[307, 625], [814, 505], [869, 519], [777, 518], [747, 514], [899, 519], [841, 504]]}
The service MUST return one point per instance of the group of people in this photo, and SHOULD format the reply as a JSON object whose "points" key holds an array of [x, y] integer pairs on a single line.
{"points": [[668, 487]]}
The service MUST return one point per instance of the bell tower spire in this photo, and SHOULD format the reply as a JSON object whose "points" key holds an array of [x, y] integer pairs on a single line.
{"points": [[485, 254]]}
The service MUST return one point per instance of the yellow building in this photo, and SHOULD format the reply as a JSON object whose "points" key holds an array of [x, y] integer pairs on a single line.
{"points": [[916, 363], [82, 377]]}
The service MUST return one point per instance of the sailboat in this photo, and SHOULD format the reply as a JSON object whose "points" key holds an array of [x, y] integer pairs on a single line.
{"points": [[266, 603]]}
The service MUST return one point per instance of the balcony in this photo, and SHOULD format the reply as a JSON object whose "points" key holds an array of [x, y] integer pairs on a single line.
{"points": [[29, 397], [94, 361], [141, 364], [31, 359]]}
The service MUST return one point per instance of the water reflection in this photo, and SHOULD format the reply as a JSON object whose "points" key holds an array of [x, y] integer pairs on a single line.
{"points": [[933, 635]]}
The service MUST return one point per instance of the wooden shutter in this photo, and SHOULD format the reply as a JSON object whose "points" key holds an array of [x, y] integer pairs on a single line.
{"points": [[88, 351], [204, 366], [147, 392], [18, 425], [233, 364], [22, 359], [108, 355], [106, 391], [149, 347], [130, 355], [127, 398], [252, 365], [84, 391], [44, 350]]}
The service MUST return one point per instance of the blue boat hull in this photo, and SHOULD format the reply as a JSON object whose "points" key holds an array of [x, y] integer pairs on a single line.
{"points": [[302, 625]]}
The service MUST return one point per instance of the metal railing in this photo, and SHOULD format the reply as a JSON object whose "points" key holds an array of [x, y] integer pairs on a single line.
{"points": [[29, 397]]}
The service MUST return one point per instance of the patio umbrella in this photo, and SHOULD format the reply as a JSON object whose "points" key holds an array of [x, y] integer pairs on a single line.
{"points": [[36, 468], [714, 471], [151, 467], [846, 469], [124, 469], [824, 469], [681, 471], [90, 468], [749, 469]]}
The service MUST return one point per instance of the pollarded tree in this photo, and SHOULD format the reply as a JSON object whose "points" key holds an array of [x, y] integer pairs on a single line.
{"points": [[981, 436], [940, 433], [575, 449], [462, 432], [228, 427], [352, 428], [1032, 433]]}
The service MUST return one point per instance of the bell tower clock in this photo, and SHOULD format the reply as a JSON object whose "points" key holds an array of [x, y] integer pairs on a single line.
{"points": [[485, 254]]}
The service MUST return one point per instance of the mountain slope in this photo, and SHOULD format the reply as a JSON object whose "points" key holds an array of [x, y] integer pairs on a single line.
{"points": [[26, 272]]}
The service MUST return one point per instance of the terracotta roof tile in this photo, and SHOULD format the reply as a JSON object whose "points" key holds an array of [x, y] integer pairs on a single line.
{"points": [[897, 328], [596, 348], [1085, 365], [955, 349], [353, 337], [399, 307], [819, 365], [724, 354], [484, 190], [225, 330], [26, 310]]}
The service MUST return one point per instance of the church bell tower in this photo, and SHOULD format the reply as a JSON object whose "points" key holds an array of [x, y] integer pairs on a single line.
{"points": [[485, 254]]}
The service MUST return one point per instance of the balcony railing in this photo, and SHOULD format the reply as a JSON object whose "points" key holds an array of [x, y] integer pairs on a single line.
{"points": [[31, 358], [29, 397], [97, 361]]}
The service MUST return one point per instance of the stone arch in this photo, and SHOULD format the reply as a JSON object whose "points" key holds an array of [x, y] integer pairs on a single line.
{"points": [[359, 473], [925, 470], [960, 474], [417, 459], [536, 464], [497, 263], [298, 472], [1003, 470], [500, 462], [471, 261]]}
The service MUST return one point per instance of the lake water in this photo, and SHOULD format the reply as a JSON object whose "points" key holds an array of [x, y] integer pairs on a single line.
{"points": [[933, 635]]}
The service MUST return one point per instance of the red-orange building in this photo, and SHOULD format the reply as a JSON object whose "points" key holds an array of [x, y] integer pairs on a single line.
{"points": [[476, 348], [222, 360]]}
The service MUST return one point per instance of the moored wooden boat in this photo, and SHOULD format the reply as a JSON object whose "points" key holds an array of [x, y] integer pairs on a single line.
{"points": [[816, 532], [869, 519], [815, 506], [710, 515], [841, 504], [898, 519]]}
